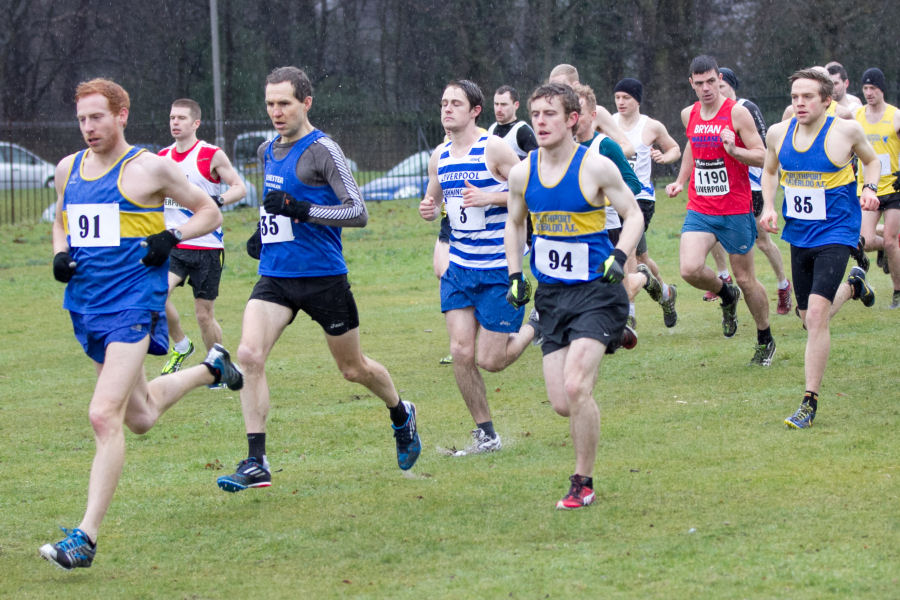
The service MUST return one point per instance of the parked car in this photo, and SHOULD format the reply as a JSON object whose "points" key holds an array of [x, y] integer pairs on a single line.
{"points": [[21, 168], [406, 179]]}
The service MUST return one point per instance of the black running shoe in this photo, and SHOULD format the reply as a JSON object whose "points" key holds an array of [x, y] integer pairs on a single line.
{"points": [[861, 289], [859, 254], [249, 474]]}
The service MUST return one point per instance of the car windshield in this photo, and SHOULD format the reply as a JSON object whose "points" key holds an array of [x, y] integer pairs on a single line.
{"points": [[417, 164]]}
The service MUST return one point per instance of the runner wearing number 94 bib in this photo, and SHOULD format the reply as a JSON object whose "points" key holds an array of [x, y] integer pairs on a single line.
{"points": [[582, 310], [821, 213]]}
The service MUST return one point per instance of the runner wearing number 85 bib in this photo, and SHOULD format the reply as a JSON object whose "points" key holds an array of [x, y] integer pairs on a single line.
{"points": [[821, 213], [722, 142]]}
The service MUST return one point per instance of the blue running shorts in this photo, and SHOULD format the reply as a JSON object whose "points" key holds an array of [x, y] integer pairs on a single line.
{"points": [[95, 332], [484, 289]]}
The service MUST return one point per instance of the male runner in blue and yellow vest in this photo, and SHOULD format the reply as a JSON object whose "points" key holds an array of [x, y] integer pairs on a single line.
{"points": [[821, 213], [111, 249], [580, 296]]}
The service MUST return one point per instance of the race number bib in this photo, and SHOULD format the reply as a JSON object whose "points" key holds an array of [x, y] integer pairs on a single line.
{"points": [[171, 203], [93, 225], [885, 160], [805, 203], [274, 228], [710, 177], [632, 161], [470, 218], [561, 260]]}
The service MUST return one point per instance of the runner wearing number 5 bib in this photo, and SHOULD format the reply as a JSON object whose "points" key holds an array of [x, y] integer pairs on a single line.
{"points": [[580, 297], [821, 215], [722, 142]]}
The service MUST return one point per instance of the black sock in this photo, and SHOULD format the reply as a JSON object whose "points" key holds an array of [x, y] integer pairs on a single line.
{"points": [[488, 428], [399, 415], [812, 399], [257, 446], [587, 481], [725, 294], [764, 336]]}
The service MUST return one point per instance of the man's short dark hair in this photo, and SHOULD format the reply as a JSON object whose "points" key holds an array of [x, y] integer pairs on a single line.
{"points": [[826, 86], [565, 93], [508, 89], [703, 64], [838, 69], [192, 106], [473, 93], [297, 77]]}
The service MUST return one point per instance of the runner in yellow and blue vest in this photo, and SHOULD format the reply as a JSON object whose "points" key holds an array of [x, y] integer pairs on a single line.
{"points": [[881, 122], [111, 249], [580, 296], [821, 216]]}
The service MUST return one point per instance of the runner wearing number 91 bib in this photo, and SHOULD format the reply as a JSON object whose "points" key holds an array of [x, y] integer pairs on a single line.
{"points": [[822, 215]]}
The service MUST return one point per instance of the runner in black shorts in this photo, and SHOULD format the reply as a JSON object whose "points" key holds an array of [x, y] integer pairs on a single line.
{"points": [[201, 269], [327, 300], [310, 196]]}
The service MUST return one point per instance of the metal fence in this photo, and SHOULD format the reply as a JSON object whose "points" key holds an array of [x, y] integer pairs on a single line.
{"points": [[387, 157]]}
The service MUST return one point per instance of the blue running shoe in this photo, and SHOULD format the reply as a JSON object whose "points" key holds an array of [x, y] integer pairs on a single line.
{"points": [[218, 361], [407, 436], [75, 550], [803, 418], [249, 474]]}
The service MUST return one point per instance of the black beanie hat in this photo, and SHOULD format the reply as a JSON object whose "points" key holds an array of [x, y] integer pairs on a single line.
{"points": [[630, 86], [730, 78], [874, 77]]}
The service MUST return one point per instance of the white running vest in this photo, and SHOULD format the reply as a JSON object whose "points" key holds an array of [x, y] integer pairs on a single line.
{"points": [[476, 237], [640, 162], [190, 165], [511, 137]]}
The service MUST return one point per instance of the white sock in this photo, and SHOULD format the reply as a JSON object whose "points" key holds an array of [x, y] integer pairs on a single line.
{"points": [[783, 285], [631, 309], [723, 275], [182, 346], [665, 293]]}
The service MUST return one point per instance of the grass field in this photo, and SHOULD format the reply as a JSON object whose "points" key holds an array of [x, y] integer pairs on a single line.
{"points": [[702, 491]]}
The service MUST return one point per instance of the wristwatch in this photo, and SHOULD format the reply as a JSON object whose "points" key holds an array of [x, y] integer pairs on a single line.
{"points": [[176, 233], [871, 186]]}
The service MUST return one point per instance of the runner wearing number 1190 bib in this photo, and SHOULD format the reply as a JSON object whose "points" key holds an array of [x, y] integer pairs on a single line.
{"points": [[722, 142]]}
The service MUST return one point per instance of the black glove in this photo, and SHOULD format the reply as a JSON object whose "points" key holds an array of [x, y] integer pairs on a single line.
{"points": [[63, 267], [158, 245], [519, 292], [254, 243], [218, 200], [282, 203], [614, 267], [896, 184]]}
